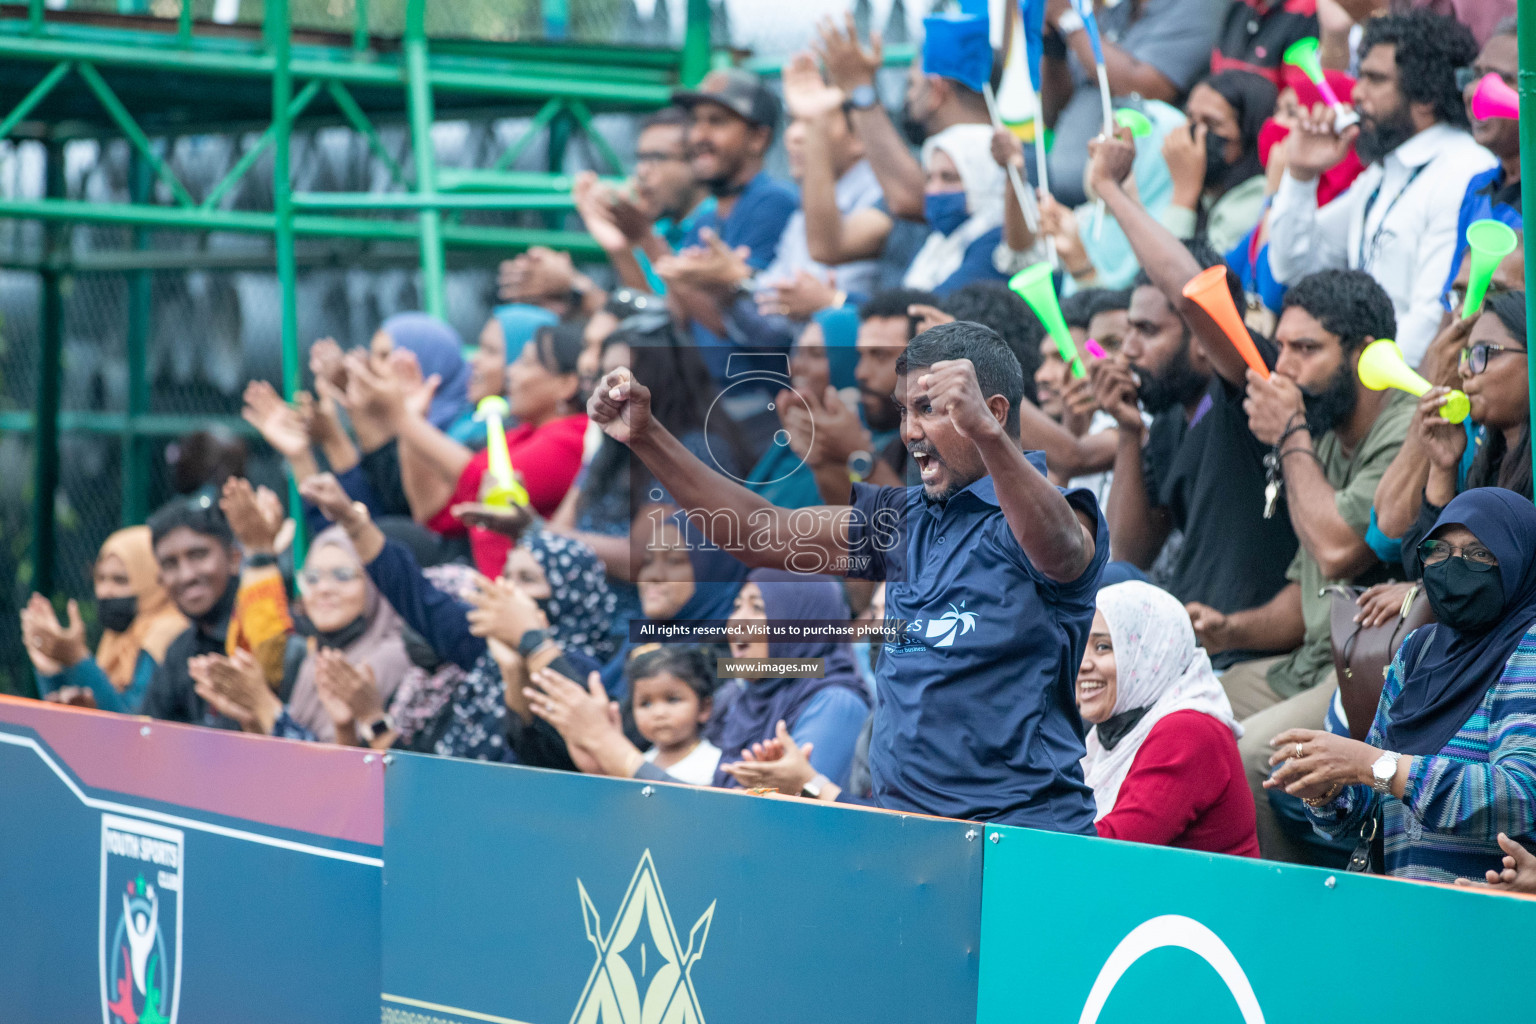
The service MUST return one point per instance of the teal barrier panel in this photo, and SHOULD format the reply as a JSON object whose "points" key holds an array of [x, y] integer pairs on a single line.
{"points": [[165, 874], [519, 896], [1099, 932]]}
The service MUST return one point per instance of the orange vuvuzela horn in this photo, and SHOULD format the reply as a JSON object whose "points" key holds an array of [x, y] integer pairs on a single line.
{"points": [[1208, 290]]}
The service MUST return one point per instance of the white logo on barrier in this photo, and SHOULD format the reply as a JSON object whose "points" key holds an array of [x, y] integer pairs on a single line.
{"points": [[141, 905], [628, 959], [1172, 930]]}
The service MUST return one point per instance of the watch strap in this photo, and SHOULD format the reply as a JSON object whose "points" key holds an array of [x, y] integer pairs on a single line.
{"points": [[863, 97]]}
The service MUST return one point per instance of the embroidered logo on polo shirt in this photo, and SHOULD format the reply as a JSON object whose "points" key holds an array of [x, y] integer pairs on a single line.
{"points": [[953, 623]]}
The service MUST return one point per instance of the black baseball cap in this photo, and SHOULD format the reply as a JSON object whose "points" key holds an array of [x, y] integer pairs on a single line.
{"points": [[737, 90]]}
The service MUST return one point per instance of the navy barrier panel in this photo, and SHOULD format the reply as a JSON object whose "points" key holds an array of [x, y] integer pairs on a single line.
{"points": [[528, 897], [152, 873]]}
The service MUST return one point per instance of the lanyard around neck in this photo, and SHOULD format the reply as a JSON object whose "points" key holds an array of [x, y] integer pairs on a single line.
{"points": [[1360, 263]]}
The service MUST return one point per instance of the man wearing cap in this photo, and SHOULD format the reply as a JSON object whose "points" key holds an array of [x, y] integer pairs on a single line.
{"points": [[732, 119]]}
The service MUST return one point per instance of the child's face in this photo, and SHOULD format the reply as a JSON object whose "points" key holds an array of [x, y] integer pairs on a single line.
{"points": [[667, 711]]}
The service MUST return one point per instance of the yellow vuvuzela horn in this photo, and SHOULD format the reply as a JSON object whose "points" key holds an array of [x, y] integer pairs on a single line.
{"points": [[506, 490], [1382, 366]]}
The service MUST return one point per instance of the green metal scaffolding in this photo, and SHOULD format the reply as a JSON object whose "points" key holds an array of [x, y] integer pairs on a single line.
{"points": [[123, 74]]}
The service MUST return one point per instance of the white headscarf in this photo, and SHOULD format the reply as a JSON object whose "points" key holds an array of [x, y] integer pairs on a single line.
{"points": [[1157, 666], [970, 147]]}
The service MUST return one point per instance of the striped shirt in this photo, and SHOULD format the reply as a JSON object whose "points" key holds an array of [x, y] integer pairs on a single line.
{"points": [[1456, 802]]}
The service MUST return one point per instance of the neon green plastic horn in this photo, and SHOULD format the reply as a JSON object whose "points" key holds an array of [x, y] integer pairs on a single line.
{"points": [[506, 490], [1135, 120], [1489, 242], [1034, 286]]}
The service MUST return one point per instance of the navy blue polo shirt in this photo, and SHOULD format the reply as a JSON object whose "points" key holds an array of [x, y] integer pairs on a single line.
{"points": [[975, 716]]}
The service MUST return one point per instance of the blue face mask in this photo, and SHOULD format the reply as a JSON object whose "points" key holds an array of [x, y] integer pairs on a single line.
{"points": [[944, 211]]}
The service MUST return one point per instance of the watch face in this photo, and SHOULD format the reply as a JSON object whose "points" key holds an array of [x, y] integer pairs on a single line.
{"points": [[1384, 768]]}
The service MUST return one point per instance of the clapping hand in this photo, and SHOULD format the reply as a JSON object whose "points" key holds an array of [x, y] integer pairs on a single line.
{"points": [[256, 517], [349, 693], [588, 721], [53, 647], [278, 423], [540, 273], [799, 297], [712, 267], [778, 763], [503, 610], [597, 214], [236, 688], [807, 95]]}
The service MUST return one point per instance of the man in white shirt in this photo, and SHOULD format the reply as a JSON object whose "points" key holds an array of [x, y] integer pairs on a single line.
{"points": [[1397, 221]]}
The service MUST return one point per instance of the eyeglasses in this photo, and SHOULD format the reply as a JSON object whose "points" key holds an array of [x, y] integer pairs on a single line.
{"points": [[1472, 74], [1456, 296], [1477, 557], [1475, 358], [341, 574]]}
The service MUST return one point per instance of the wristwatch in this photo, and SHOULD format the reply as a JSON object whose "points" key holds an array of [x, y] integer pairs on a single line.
{"points": [[863, 97], [1383, 772], [260, 560], [812, 790], [860, 464], [370, 731], [1069, 22]]}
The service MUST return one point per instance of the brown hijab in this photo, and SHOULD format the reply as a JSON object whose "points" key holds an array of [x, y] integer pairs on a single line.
{"points": [[381, 646], [157, 622]]}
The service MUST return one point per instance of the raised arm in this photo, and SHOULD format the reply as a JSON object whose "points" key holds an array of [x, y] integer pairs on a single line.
{"points": [[1057, 539], [621, 406], [1165, 259], [851, 66]]}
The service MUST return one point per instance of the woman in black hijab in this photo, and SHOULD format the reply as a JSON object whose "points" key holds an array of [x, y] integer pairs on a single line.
{"points": [[1218, 180], [1450, 763]]}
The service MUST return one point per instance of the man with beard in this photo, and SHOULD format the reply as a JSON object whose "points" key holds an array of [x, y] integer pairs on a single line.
{"points": [[1398, 221], [1188, 502], [1494, 194], [200, 568], [1334, 438], [992, 567]]}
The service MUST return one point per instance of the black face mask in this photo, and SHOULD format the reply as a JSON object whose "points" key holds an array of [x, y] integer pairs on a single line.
{"points": [[1464, 599], [1216, 165], [117, 613], [912, 127], [340, 639]]}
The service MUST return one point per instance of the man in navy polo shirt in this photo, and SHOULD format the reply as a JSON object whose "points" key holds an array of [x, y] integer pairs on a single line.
{"points": [[992, 567]]}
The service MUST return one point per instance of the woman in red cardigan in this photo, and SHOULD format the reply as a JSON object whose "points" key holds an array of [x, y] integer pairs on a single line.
{"points": [[1162, 753]]}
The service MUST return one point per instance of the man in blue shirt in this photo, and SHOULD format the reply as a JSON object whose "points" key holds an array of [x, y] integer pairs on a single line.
{"points": [[991, 568], [1494, 194], [732, 118]]}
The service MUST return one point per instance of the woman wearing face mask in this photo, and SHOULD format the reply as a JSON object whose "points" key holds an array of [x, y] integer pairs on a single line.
{"points": [[1450, 762], [963, 205], [1162, 754], [1218, 182], [138, 623]]}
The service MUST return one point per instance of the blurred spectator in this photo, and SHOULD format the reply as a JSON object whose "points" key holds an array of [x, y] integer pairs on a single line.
{"points": [[138, 624], [1256, 33], [1454, 741], [201, 461], [1218, 182], [1155, 49], [1162, 755], [1393, 221]]}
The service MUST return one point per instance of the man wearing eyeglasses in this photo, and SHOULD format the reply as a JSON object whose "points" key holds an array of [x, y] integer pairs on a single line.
{"points": [[1495, 193], [1397, 222]]}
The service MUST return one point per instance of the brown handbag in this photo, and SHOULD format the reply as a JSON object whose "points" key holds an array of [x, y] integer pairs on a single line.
{"points": [[1361, 656]]}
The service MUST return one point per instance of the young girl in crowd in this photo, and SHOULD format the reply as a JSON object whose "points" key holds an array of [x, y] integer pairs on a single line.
{"points": [[138, 624], [671, 695]]}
